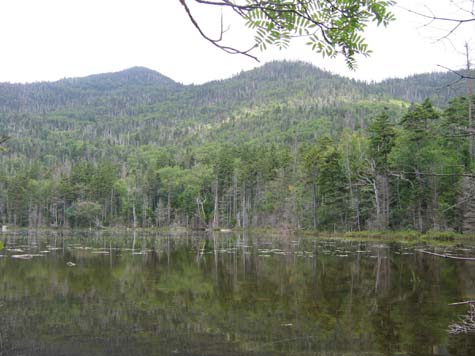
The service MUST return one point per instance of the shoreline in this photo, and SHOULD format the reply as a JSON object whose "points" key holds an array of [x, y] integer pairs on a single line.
{"points": [[385, 235]]}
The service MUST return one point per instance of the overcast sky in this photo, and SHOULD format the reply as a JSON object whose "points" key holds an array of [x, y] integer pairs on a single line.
{"points": [[53, 39]]}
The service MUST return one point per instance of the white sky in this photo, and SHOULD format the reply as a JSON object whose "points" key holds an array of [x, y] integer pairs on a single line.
{"points": [[53, 39]]}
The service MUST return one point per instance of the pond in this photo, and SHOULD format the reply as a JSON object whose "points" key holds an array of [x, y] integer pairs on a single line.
{"points": [[230, 294]]}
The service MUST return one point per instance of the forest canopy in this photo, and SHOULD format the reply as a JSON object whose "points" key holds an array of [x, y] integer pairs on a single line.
{"points": [[286, 145]]}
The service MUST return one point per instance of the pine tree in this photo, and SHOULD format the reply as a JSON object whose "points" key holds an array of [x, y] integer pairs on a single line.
{"points": [[382, 140]]}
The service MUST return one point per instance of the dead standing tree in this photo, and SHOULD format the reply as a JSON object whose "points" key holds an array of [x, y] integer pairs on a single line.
{"points": [[3, 139]]}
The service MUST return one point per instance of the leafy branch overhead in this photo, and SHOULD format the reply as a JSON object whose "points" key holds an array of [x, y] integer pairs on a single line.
{"points": [[332, 27]]}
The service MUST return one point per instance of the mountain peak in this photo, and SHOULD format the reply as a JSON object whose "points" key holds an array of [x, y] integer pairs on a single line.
{"points": [[141, 74], [286, 70], [133, 76]]}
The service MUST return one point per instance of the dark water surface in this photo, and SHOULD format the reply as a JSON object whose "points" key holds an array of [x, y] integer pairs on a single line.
{"points": [[229, 295]]}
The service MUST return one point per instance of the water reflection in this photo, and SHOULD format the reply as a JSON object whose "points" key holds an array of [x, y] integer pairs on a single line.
{"points": [[190, 294]]}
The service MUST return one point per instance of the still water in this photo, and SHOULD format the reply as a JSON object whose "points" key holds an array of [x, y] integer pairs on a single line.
{"points": [[104, 294]]}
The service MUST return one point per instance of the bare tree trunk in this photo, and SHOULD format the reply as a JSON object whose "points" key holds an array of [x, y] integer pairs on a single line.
{"points": [[169, 213], [352, 196], [112, 205], [381, 191], [419, 215], [243, 207], [104, 211], [314, 205], [134, 216], [235, 212], [201, 210], [387, 200], [436, 221], [378, 184], [471, 137], [56, 221], [145, 206], [468, 205], [39, 217], [216, 205]]}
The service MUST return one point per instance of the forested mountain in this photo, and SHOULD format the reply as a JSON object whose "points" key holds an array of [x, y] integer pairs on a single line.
{"points": [[134, 86], [285, 144], [440, 87]]}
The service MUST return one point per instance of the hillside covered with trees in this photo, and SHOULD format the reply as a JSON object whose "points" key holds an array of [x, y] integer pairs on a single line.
{"points": [[285, 145]]}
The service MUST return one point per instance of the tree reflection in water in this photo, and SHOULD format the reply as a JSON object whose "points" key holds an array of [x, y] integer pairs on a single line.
{"points": [[226, 295]]}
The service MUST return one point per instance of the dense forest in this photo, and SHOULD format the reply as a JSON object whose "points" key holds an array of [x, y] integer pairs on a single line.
{"points": [[285, 145]]}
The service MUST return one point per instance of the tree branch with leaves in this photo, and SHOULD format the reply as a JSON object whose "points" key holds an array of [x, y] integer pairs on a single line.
{"points": [[332, 27]]}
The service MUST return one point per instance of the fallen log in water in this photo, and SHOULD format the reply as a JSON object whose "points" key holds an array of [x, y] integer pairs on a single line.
{"points": [[447, 256], [465, 302]]}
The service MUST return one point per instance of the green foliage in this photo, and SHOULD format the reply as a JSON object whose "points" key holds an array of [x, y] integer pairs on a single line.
{"points": [[430, 169], [332, 27], [84, 214], [284, 145], [456, 128], [441, 235], [404, 235], [381, 139], [420, 121]]}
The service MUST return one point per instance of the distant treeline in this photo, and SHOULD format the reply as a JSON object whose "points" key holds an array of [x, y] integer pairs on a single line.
{"points": [[286, 146]]}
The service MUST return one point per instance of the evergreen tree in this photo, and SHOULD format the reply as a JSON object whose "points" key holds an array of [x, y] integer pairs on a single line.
{"points": [[381, 142]]}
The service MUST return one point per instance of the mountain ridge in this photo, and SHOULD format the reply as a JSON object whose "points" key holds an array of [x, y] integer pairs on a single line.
{"points": [[142, 70], [138, 86]]}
